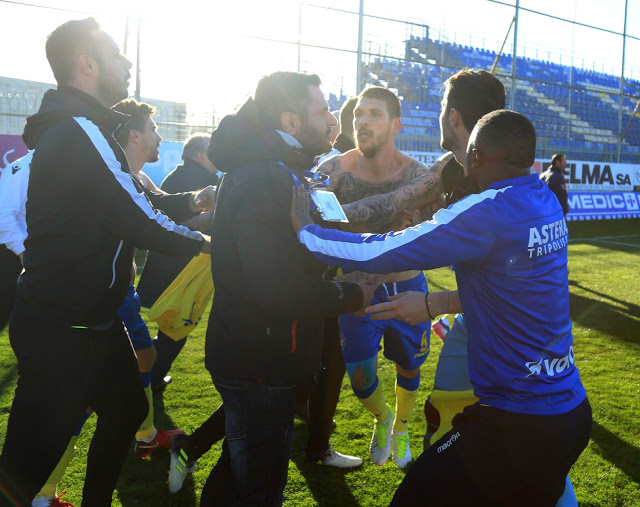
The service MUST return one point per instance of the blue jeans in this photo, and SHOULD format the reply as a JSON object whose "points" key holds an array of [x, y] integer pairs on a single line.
{"points": [[253, 466]]}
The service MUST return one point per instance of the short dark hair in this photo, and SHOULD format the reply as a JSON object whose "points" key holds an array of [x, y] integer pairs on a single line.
{"points": [[283, 92], [198, 142], [139, 112], [66, 43], [509, 134], [474, 93], [346, 116], [387, 96], [557, 158]]}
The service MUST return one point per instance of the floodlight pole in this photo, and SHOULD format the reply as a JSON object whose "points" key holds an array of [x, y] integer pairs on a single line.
{"points": [[138, 74], [513, 62], [621, 103], [126, 35], [299, 32], [359, 64]]}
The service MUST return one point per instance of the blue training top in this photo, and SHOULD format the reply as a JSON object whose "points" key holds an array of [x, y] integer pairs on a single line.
{"points": [[509, 247]]}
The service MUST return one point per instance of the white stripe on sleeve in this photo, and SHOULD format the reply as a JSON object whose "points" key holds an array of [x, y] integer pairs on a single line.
{"points": [[109, 157], [365, 247]]}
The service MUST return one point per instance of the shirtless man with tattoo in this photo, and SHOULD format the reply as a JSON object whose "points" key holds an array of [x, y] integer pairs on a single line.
{"points": [[383, 190]]}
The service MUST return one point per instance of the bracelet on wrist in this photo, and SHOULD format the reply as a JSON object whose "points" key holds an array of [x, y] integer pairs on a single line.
{"points": [[426, 302]]}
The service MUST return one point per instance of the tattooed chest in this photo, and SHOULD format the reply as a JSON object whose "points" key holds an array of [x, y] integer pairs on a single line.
{"points": [[349, 189]]}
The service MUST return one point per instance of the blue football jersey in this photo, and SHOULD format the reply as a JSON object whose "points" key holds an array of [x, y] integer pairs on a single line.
{"points": [[509, 247]]}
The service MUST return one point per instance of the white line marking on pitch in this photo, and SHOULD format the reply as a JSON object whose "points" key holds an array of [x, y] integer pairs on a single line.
{"points": [[602, 238], [610, 242]]}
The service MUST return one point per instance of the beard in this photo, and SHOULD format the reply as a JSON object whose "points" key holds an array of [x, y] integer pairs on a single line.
{"points": [[314, 141], [375, 144], [110, 90], [448, 141], [154, 155]]}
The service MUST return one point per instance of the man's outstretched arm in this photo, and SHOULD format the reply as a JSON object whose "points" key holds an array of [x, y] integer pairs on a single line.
{"points": [[422, 186]]}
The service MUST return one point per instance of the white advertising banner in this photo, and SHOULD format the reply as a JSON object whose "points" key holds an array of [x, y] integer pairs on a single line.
{"points": [[580, 175]]}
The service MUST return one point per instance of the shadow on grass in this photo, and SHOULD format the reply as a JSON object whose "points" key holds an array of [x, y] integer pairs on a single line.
{"points": [[616, 451], [144, 481], [326, 484], [8, 378], [612, 316]]}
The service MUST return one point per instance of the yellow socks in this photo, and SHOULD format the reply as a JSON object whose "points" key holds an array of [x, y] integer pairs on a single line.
{"points": [[405, 401], [147, 430], [50, 488], [376, 404]]}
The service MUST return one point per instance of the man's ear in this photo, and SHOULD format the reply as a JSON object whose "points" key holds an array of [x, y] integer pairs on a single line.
{"points": [[290, 123], [396, 125], [474, 161], [134, 136], [455, 120], [87, 65]]}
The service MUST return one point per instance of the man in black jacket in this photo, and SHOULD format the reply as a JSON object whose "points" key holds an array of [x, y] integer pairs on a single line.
{"points": [[85, 213], [266, 325], [554, 177]]}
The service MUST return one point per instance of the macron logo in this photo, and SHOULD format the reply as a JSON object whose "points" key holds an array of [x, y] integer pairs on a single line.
{"points": [[448, 443], [553, 366]]}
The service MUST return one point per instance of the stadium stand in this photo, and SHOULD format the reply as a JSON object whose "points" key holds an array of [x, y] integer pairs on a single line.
{"points": [[574, 110]]}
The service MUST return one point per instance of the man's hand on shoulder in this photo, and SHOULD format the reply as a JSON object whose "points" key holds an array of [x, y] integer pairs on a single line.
{"points": [[333, 168]]}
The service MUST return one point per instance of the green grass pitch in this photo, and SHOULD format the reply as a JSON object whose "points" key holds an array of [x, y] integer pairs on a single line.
{"points": [[604, 269]]}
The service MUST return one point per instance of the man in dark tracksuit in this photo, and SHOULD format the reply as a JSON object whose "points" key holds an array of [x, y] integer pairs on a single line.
{"points": [[85, 213], [196, 172], [266, 326], [554, 177]]}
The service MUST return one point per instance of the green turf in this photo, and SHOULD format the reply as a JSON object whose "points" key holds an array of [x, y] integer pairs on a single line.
{"points": [[605, 306]]}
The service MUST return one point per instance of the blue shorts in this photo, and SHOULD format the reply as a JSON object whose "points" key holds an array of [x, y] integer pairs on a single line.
{"points": [[129, 312], [406, 345], [452, 372]]}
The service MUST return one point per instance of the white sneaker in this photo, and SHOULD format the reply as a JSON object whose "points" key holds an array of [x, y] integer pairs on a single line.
{"points": [[42, 501], [401, 449], [380, 447], [179, 467], [333, 458]]}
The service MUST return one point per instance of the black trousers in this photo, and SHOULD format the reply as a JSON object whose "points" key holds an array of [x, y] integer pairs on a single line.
{"points": [[326, 393], [62, 371], [492, 457], [10, 268]]}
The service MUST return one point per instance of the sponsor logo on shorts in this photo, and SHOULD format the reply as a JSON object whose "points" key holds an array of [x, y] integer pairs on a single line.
{"points": [[449, 442], [551, 366], [343, 341], [424, 345]]}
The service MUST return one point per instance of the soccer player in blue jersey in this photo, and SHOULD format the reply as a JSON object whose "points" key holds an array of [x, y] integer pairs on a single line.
{"points": [[509, 246], [373, 169]]}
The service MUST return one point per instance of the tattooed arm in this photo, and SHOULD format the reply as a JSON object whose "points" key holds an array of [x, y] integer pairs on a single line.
{"points": [[332, 168], [421, 186], [201, 222]]}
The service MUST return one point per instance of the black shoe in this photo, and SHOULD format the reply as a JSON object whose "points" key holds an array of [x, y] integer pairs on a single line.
{"points": [[158, 388]]}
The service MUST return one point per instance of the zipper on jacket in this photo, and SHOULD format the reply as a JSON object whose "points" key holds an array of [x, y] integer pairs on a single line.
{"points": [[113, 266]]}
